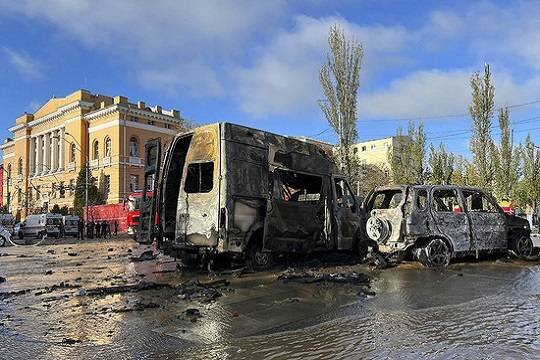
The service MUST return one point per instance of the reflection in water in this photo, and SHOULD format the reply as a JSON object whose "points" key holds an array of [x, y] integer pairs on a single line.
{"points": [[471, 310]]}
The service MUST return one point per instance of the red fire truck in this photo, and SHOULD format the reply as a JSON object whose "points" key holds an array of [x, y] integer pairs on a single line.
{"points": [[134, 212]]}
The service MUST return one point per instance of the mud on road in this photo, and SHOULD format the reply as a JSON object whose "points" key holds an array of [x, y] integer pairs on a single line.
{"points": [[111, 299]]}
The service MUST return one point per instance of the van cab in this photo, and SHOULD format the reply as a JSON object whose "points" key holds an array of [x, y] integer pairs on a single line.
{"points": [[41, 225]]}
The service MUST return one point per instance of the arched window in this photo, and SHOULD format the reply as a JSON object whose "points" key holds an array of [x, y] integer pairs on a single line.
{"points": [[72, 154], [95, 153], [9, 171], [108, 147], [133, 146], [20, 167]]}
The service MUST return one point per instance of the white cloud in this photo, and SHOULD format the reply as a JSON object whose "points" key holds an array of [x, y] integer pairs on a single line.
{"points": [[284, 78], [179, 46], [23, 63]]}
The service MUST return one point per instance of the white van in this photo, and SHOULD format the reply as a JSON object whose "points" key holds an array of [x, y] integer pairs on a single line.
{"points": [[71, 225], [7, 221], [42, 225]]}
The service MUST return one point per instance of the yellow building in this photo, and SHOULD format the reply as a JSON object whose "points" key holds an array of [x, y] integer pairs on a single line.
{"points": [[49, 147], [376, 152]]}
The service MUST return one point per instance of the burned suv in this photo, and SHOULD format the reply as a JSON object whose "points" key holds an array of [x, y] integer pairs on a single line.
{"points": [[436, 223]]}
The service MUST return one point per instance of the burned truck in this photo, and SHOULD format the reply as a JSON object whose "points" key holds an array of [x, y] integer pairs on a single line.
{"points": [[225, 189], [435, 223]]}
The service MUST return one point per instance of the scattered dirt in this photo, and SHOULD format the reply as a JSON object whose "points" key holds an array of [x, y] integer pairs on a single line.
{"points": [[313, 276], [145, 256]]}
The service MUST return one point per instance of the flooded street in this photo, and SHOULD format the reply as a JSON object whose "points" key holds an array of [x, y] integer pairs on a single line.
{"points": [[95, 301]]}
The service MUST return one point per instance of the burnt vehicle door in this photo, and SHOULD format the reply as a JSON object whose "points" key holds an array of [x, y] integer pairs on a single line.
{"points": [[295, 212], [451, 221], [198, 199], [152, 153], [346, 213], [488, 222]]}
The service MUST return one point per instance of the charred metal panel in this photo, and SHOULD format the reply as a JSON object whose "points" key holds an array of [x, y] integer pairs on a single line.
{"points": [[198, 211]]}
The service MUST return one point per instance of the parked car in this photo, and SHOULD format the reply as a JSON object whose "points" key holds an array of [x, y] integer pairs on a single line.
{"points": [[42, 225], [71, 225], [437, 223], [5, 236], [230, 190]]}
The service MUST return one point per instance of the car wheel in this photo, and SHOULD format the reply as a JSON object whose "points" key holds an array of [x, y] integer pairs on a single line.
{"points": [[258, 259], [2, 241], [522, 246], [435, 253], [377, 229]]}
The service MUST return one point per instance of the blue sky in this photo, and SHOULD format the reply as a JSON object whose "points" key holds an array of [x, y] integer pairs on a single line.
{"points": [[257, 62]]}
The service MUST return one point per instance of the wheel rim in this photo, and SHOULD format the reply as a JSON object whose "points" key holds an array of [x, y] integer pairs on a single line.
{"points": [[438, 253], [261, 258], [524, 246]]}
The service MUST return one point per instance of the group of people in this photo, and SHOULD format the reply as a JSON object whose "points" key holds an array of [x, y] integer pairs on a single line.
{"points": [[101, 230]]}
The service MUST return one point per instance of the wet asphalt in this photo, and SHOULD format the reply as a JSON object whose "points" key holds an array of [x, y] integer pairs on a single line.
{"points": [[96, 300]]}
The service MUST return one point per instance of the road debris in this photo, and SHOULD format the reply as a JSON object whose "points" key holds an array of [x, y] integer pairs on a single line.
{"points": [[145, 256], [312, 276]]}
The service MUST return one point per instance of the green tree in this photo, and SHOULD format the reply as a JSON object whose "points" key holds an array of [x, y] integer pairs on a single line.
{"points": [[94, 195], [441, 165], [407, 156], [507, 160], [368, 177], [528, 189], [55, 209], [64, 210], [481, 143], [340, 79]]}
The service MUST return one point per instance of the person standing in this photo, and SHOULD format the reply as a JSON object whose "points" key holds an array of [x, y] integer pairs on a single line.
{"points": [[116, 227], [80, 230], [109, 229], [98, 229], [529, 212], [104, 229]]}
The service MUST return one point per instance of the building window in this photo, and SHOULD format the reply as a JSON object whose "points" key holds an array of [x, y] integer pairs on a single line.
{"points": [[9, 171], [167, 126], [107, 184], [19, 195], [363, 148], [133, 147], [20, 167], [134, 119], [151, 122], [72, 154], [53, 188], [133, 183], [372, 146], [108, 147], [95, 153]]}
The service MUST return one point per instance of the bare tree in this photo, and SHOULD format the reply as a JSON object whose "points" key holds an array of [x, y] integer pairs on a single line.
{"points": [[340, 79], [481, 110]]}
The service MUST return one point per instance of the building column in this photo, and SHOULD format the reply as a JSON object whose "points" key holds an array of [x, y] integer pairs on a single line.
{"points": [[62, 149], [47, 153], [32, 157], [39, 153], [54, 163]]}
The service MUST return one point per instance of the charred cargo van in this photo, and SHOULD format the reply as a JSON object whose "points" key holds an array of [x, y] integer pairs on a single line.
{"points": [[229, 189]]}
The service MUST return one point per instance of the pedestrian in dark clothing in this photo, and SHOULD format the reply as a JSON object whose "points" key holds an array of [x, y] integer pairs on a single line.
{"points": [[90, 229], [115, 227], [104, 229], [80, 230], [98, 230], [109, 229]]}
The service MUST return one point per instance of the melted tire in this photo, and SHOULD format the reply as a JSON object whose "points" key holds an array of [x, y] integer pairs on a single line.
{"points": [[435, 254], [257, 259], [2, 241], [522, 246]]}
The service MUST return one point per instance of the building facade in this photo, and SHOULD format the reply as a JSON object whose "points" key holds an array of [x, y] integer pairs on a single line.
{"points": [[50, 147], [379, 151]]}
